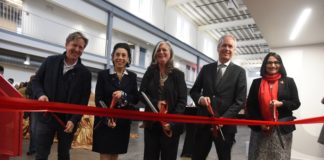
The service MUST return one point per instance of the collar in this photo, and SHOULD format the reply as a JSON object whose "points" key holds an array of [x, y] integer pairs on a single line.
{"points": [[64, 56], [112, 71], [227, 63], [69, 66]]}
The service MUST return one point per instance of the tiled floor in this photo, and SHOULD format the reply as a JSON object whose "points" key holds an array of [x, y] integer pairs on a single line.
{"points": [[135, 150]]}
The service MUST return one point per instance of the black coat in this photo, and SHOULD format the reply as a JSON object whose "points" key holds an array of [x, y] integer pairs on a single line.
{"points": [[227, 97], [175, 93], [45, 83], [114, 140], [287, 93], [106, 85]]}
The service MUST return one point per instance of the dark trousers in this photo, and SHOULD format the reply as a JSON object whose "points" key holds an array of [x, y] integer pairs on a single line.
{"points": [[32, 132], [190, 134], [156, 143], [203, 144], [189, 142], [45, 132]]}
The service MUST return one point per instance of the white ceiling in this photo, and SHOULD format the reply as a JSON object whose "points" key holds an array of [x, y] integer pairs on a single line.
{"points": [[276, 18], [244, 18]]}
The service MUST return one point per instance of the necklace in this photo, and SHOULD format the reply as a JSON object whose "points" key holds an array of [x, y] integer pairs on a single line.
{"points": [[163, 78]]}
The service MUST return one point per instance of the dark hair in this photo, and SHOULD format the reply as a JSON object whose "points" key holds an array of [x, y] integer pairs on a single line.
{"points": [[1, 69], [76, 35], [124, 46], [169, 64], [11, 80], [282, 69]]}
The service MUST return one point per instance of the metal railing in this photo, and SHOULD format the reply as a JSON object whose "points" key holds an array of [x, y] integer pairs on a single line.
{"points": [[44, 28]]}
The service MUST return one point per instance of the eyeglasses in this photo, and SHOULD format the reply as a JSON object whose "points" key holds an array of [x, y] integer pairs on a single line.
{"points": [[273, 62]]}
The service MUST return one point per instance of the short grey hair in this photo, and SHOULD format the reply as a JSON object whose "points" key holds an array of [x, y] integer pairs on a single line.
{"points": [[221, 40]]}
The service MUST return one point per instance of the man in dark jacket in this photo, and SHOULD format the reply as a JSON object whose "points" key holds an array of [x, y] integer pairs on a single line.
{"points": [[222, 85], [61, 78]]}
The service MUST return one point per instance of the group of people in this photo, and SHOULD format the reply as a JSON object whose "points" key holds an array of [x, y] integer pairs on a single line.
{"points": [[219, 90]]}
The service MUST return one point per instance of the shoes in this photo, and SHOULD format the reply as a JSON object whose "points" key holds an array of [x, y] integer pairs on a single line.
{"points": [[29, 153], [186, 155]]}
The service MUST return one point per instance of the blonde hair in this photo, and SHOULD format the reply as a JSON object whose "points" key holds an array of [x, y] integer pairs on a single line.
{"points": [[169, 64]]}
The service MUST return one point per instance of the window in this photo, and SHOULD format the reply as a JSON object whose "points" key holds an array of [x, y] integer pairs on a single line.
{"points": [[132, 49], [187, 76], [208, 48], [182, 30], [142, 56], [142, 9], [193, 75]]}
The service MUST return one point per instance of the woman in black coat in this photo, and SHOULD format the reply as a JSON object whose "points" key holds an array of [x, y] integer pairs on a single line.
{"points": [[272, 97], [165, 86], [111, 137]]}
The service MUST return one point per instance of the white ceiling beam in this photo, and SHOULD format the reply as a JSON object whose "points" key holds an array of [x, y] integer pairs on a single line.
{"points": [[258, 66], [251, 42], [172, 3], [251, 56], [227, 24]]}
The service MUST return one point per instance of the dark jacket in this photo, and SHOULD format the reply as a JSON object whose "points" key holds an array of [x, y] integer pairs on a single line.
{"points": [[227, 97], [287, 93], [175, 93], [106, 85], [46, 81]]}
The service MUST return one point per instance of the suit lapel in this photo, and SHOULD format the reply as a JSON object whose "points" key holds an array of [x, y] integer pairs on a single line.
{"points": [[226, 75], [112, 79], [213, 71], [124, 81], [58, 69]]}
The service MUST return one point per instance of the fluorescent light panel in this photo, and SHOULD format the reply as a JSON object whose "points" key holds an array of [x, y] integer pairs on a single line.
{"points": [[300, 23]]}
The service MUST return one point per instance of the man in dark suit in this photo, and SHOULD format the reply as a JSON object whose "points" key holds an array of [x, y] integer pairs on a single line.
{"points": [[223, 85], [61, 78]]}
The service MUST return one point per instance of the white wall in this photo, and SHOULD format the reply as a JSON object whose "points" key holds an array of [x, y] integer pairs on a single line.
{"points": [[207, 45], [305, 65], [186, 32], [52, 23], [52, 20], [166, 19], [156, 16], [17, 73]]}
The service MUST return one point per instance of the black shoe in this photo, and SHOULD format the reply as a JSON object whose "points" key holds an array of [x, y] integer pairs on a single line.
{"points": [[29, 153], [186, 155]]}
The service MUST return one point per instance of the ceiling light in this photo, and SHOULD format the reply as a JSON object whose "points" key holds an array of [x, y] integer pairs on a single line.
{"points": [[300, 22], [27, 61]]}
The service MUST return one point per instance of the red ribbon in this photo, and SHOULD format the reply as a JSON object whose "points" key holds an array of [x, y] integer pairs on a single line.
{"points": [[10, 104]]}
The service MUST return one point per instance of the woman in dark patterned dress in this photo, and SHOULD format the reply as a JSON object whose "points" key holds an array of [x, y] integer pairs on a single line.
{"points": [[272, 97]]}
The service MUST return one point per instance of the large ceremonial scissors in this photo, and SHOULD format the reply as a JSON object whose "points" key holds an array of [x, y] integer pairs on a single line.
{"points": [[163, 109]]}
